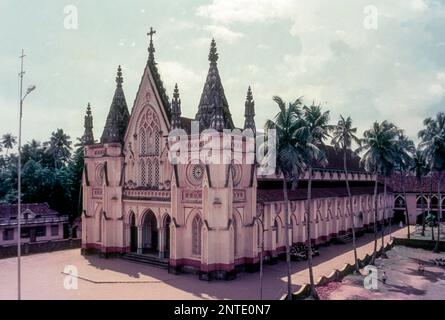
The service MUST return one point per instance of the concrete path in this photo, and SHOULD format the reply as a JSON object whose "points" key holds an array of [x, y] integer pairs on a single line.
{"points": [[43, 277]]}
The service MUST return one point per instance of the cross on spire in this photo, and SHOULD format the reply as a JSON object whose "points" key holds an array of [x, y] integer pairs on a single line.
{"points": [[151, 33], [151, 48]]}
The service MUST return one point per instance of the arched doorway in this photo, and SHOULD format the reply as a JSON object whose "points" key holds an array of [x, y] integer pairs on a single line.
{"points": [[133, 234], [399, 210], [150, 233], [167, 221]]}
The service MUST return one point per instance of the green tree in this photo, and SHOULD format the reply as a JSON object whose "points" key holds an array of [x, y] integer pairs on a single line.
{"points": [[8, 142], [289, 152], [316, 124], [405, 150], [343, 136], [75, 171], [378, 157], [37, 183], [59, 147], [433, 147], [420, 169]]}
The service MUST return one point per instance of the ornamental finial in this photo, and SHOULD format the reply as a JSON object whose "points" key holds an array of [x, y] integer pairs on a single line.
{"points": [[213, 54], [119, 79]]}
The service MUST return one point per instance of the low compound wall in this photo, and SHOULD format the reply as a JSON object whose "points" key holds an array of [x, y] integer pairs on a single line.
{"points": [[419, 243], [39, 247], [335, 275]]}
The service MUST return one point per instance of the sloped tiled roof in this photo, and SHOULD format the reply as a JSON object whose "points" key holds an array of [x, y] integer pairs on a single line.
{"points": [[412, 184], [272, 195], [335, 160], [43, 209]]}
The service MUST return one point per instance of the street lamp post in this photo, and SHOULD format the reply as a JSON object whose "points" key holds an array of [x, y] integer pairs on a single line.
{"points": [[19, 180]]}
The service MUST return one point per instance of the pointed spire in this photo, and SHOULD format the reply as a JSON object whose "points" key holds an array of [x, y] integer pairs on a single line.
{"points": [[249, 114], [213, 54], [151, 48], [176, 109], [88, 137], [213, 110], [118, 116], [156, 76]]}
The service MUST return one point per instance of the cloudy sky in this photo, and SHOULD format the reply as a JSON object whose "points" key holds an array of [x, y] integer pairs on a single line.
{"points": [[373, 59]]}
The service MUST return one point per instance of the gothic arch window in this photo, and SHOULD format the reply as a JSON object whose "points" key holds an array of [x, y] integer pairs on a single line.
{"points": [[157, 142], [434, 202], [399, 202], [150, 142], [156, 173], [143, 173], [196, 235], [149, 147], [150, 173], [421, 202], [277, 231], [143, 141]]}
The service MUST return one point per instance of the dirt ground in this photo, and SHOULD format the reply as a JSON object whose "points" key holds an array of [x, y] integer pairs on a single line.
{"points": [[404, 280], [43, 277]]}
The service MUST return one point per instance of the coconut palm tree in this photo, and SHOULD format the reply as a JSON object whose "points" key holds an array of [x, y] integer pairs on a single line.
{"points": [[289, 161], [59, 147], [405, 150], [343, 136], [420, 169], [433, 146], [8, 141], [316, 124], [378, 155]]}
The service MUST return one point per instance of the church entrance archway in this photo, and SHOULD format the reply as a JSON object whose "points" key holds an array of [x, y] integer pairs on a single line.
{"points": [[150, 233], [133, 234]]}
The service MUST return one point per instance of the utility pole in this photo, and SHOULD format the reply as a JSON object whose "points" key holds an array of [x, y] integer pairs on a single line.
{"points": [[19, 176], [19, 182]]}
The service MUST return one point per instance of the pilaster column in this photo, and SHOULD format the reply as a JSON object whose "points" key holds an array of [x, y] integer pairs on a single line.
{"points": [[161, 240], [140, 239], [127, 236]]}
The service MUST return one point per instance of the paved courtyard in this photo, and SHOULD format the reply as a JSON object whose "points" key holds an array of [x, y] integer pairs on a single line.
{"points": [[43, 278]]}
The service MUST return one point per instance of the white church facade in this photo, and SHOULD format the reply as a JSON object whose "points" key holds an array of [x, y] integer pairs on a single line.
{"points": [[201, 217]]}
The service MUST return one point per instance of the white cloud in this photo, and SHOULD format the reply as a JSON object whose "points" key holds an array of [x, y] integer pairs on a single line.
{"points": [[418, 5], [223, 33], [437, 90], [247, 11], [441, 76], [173, 72]]}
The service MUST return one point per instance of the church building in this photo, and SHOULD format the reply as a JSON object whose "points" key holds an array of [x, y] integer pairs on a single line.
{"points": [[198, 217]]}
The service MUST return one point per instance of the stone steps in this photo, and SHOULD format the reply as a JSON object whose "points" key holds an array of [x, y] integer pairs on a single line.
{"points": [[146, 259]]}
